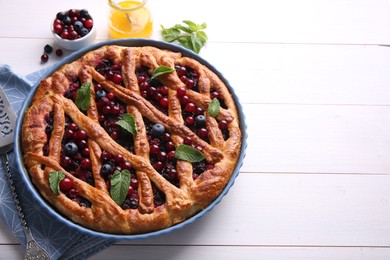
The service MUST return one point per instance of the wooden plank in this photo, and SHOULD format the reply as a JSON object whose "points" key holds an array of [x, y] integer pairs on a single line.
{"points": [[304, 74], [223, 252], [301, 21], [293, 210], [270, 73], [241, 252], [11, 252], [290, 210], [318, 139]]}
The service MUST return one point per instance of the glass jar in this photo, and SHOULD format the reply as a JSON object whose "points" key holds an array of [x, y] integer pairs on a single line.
{"points": [[129, 19]]}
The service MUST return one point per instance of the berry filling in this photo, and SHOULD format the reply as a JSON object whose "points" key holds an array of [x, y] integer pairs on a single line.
{"points": [[75, 152], [162, 151], [153, 90], [215, 94], [193, 116], [188, 76], [74, 157], [110, 164], [111, 110], [200, 167], [49, 119], [71, 92], [222, 124], [158, 196], [111, 71]]}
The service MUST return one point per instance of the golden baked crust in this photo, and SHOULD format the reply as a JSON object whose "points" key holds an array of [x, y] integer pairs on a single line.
{"points": [[43, 142]]}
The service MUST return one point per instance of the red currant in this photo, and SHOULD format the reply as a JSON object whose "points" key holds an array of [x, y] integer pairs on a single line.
{"points": [[65, 35], [59, 52], [190, 107], [164, 90], [181, 92], [73, 12], [88, 23], [190, 83], [66, 184], [110, 96], [44, 58], [214, 94], [223, 125], [164, 102], [130, 191], [190, 120], [181, 71], [57, 28], [117, 78], [85, 163]]}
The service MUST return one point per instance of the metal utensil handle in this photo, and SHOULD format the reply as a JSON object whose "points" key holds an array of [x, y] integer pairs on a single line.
{"points": [[14, 194]]}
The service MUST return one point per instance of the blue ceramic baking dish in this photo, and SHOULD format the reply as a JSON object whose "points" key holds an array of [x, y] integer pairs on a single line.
{"points": [[129, 43]]}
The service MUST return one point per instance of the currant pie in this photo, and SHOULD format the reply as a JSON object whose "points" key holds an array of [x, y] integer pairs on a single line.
{"points": [[129, 140]]}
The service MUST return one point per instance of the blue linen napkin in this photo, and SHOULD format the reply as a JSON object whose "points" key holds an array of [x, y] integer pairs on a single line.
{"points": [[59, 240]]}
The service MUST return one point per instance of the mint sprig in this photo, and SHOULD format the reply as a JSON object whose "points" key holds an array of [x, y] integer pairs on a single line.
{"points": [[120, 182], [83, 97], [54, 181], [188, 34], [188, 153], [128, 123]]}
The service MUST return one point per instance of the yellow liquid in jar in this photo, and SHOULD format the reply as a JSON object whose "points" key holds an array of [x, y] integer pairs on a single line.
{"points": [[141, 25]]}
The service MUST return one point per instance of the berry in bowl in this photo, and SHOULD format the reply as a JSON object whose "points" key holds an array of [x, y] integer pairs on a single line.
{"points": [[73, 29]]}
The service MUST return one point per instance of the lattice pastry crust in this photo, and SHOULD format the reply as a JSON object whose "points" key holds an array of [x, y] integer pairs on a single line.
{"points": [[161, 197]]}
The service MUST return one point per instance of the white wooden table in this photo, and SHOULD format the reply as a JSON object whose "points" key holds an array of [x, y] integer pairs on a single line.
{"points": [[314, 82]]}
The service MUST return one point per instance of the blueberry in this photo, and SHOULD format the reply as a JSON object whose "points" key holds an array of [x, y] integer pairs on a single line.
{"points": [[71, 149], [106, 169], [60, 15], [100, 93], [78, 26], [84, 13], [83, 31], [158, 130], [48, 48], [200, 120], [66, 20]]}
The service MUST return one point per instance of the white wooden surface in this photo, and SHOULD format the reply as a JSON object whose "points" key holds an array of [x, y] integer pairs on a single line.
{"points": [[314, 81]]}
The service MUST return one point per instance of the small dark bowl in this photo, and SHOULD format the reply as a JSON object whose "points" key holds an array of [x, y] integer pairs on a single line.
{"points": [[131, 43]]}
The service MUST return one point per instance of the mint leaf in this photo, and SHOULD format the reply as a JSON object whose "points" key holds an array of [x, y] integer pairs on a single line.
{"points": [[183, 28], [83, 98], [170, 34], [186, 42], [193, 26], [202, 37], [188, 153], [161, 70], [202, 26], [120, 182], [214, 107], [128, 123], [54, 181], [189, 34]]}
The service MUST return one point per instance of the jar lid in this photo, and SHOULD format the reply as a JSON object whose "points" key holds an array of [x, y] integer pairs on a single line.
{"points": [[114, 4]]}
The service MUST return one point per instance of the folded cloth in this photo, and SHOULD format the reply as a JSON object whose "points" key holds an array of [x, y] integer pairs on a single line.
{"points": [[60, 241]]}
